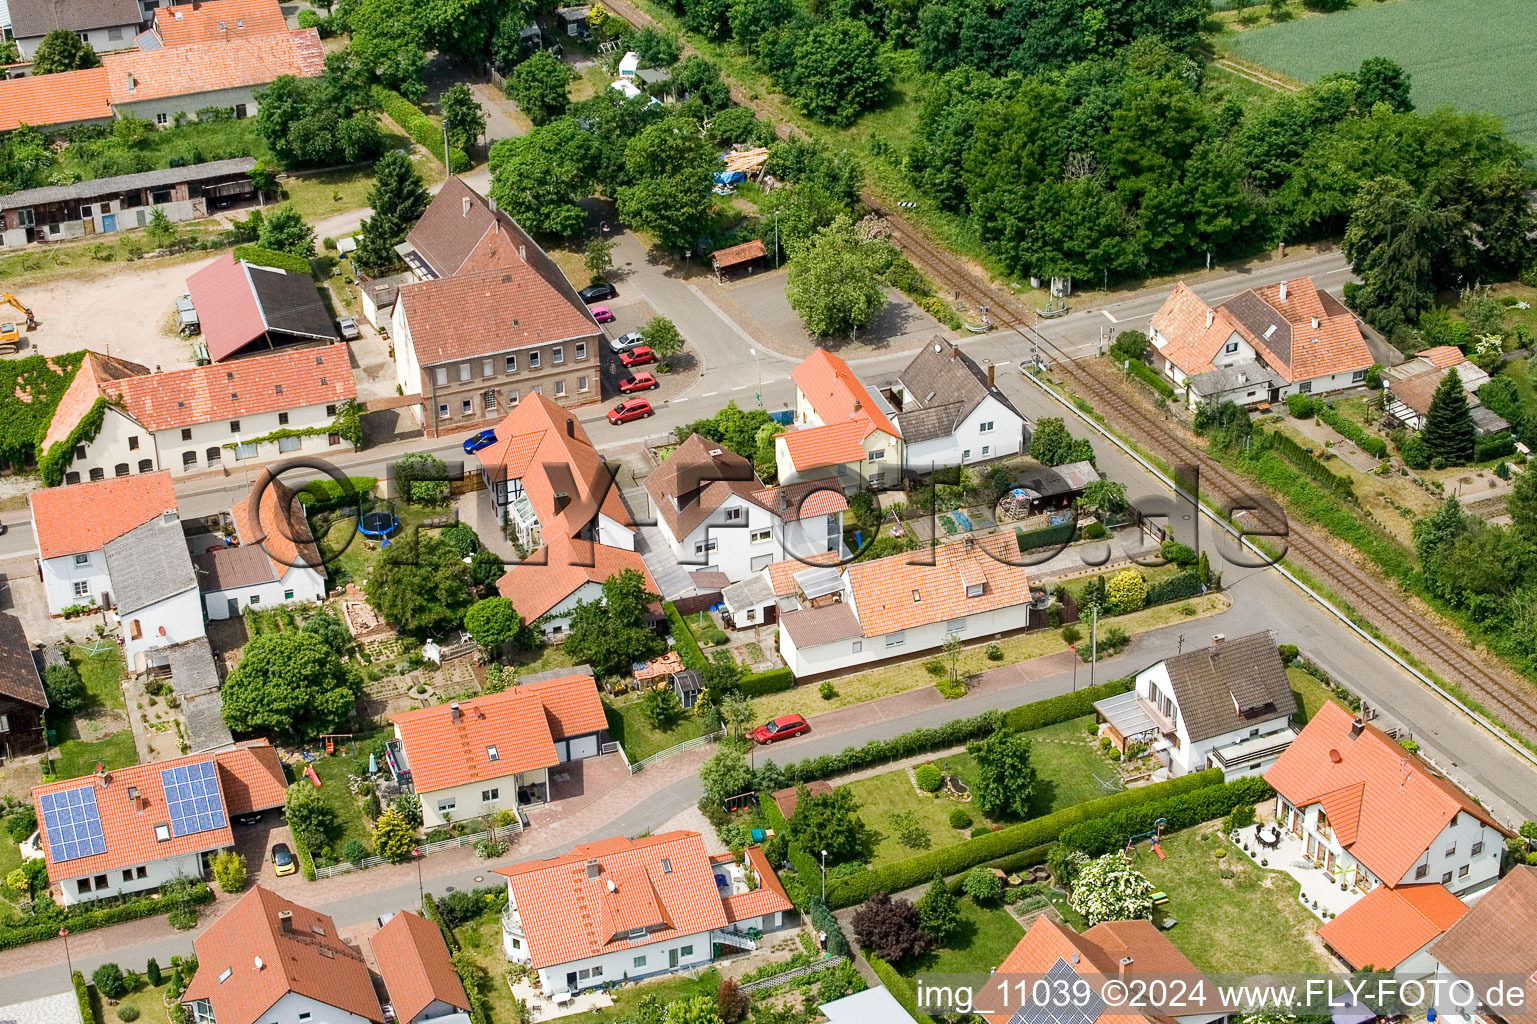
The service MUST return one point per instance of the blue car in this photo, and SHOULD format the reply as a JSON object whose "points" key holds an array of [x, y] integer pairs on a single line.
{"points": [[484, 439]]}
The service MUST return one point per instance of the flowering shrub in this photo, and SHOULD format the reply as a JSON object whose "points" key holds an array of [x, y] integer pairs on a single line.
{"points": [[1109, 889], [1127, 591]]}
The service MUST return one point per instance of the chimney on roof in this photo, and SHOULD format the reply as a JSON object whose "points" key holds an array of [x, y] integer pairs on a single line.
{"points": [[1126, 963], [491, 203], [286, 922], [103, 777], [991, 370], [1283, 291], [454, 713], [858, 405], [464, 206], [1209, 317], [523, 253], [570, 427], [1357, 727], [1217, 638], [562, 501], [593, 869], [954, 351]]}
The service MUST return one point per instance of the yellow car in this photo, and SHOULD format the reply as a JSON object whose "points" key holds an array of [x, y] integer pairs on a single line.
{"points": [[9, 332], [283, 862]]}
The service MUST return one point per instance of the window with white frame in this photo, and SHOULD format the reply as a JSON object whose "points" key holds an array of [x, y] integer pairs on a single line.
{"points": [[512, 396], [466, 407], [965, 454], [1305, 388], [442, 410], [985, 426], [857, 647], [560, 388], [733, 515], [581, 350], [557, 355], [987, 450], [533, 360], [82, 559], [464, 372], [956, 626], [446, 804], [700, 547], [440, 376], [82, 588], [1358, 376], [512, 364], [1232, 347], [896, 639], [487, 368], [581, 384], [759, 536], [491, 796], [876, 456]]}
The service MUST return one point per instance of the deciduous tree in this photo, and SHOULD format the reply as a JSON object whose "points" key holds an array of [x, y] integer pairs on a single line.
{"points": [[834, 283], [494, 624], [285, 231], [309, 817], [1109, 889], [462, 116], [670, 167], [1382, 81], [663, 338], [938, 912], [290, 684], [829, 821], [611, 634], [541, 178], [1005, 775], [838, 72], [539, 87], [63, 50], [420, 585], [726, 774], [889, 928]]}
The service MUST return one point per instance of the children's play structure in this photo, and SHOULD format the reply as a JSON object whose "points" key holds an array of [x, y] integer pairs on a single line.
{"points": [[1155, 835]]}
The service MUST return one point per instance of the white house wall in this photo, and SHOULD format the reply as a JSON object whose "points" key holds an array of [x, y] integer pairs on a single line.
{"points": [[215, 435], [1191, 756], [294, 1008], [61, 574], [157, 872], [180, 615], [115, 37], [557, 621], [844, 654], [1463, 833], [299, 584], [619, 966], [190, 104], [467, 797], [408, 372], [110, 448], [814, 535], [735, 550], [970, 443], [614, 534]]}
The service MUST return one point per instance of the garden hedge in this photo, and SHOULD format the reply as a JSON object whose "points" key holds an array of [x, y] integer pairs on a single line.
{"points": [[1152, 378], [133, 908], [420, 127], [1109, 832], [823, 920], [326, 495], [952, 860], [683, 639], [908, 744], [264, 257], [1045, 537], [1371, 444], [1496, 446], [899, 987], [88, 1012], [1062, 708], [761, 684], [1176, 588], [430, 912]]}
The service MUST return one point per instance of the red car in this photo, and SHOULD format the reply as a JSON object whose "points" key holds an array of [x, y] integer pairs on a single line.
{"points": [[640, 355], [629, 409], [641, 381], [780, 728]]}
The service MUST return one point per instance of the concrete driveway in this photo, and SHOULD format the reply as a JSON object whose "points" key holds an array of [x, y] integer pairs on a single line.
{"points": [[255, 842]]}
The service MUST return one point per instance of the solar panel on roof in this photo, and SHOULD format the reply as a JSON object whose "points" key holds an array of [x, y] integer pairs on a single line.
{"points": [[192, 798], [1082, 1008], [72, 823]]}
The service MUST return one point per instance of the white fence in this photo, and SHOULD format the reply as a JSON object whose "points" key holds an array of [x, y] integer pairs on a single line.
{"points": [[673, 751], [506, 834]]}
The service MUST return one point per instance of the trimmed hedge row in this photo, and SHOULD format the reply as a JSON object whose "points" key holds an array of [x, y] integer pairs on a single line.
{"points": [[683, 639], [1495, 446], [1372, 445], [430, 912], [908, 744], [264, 257], [420, 127], [1109, 832], [1045, 537], [88, 1012], [823, 920], [1176, 588], [326, 495], [761, 684], [132, 909], [899, 988], [952, 860], [1062, 708], [1152, 378]]}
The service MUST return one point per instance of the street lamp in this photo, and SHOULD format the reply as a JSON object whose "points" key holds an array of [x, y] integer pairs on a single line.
{"points": [[824, 876], [776, 239], [759, 364], [68, 963], [421, 897]]}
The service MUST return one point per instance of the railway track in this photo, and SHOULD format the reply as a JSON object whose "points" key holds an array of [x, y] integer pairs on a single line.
{"points": [[1510, 697]]}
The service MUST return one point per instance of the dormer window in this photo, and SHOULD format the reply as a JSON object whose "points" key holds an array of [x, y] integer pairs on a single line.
{"points": [[636, 934], [226, 974], [975, 589]]}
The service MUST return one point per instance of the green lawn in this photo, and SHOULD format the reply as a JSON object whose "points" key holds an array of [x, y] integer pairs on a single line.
{"points": [[148, 999], [1069, 770], [639, 737], [667, 990], [1249, 923], [348, 554], [333, 772], [1462, 53], [986, 936], [323, 194], [74, 758], [101, 672], [1310, 693]]}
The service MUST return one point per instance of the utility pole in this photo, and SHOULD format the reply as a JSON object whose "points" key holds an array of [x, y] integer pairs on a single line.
{"points": [[1094, 646], [776, 239]]}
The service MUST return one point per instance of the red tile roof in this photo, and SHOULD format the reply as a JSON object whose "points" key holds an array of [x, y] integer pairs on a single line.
{"points": [[735, 254], [835, 393], [62, 98], [782, 574], [95, 373], [569, 912], [1392, 805], [233, 317], [545, 446], [805, 500], [1045, 944], [218, 20], [571, 704], [413, 961], [489, 311], [128, 825], [251, 777], [884, 589], [768, 898], [559, 569], [442, 752], [276, 381], [1442, 356], [278, 525], [1509, 911], [134, 76], [828, 445], [1387, 925], [117, 505], [260, 962]]}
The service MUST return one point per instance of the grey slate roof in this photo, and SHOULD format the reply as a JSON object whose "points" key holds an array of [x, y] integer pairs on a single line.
{"points": [[1230, 684], [828, 624], [940, 388], [18, 672], [149, 563], [193, 669], [1068, 479], [125, 182], [1259, 316], [291, 303], [1247, 374], [39, 17], [228, 568]]}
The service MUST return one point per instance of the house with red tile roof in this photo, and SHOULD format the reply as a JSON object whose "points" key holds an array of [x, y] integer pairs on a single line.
{"points": [[71, 548], [835, 617], [270, 959], [1261, 345], [275, 559], [1466, 952], [133, 829], [841, 433], [622, 909], [491, 322], [494, 752], [414, 965], [216, 20], [1371, 813], [717, 515], [241, 304], [1392, 928], [241, 412]]}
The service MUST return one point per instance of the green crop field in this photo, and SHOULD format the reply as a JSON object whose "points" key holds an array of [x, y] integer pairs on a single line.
{"points": [[1474, 55]]}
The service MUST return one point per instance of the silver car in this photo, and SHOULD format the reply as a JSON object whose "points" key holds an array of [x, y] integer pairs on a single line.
{"points": [[625, 342], [348, 327]]}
